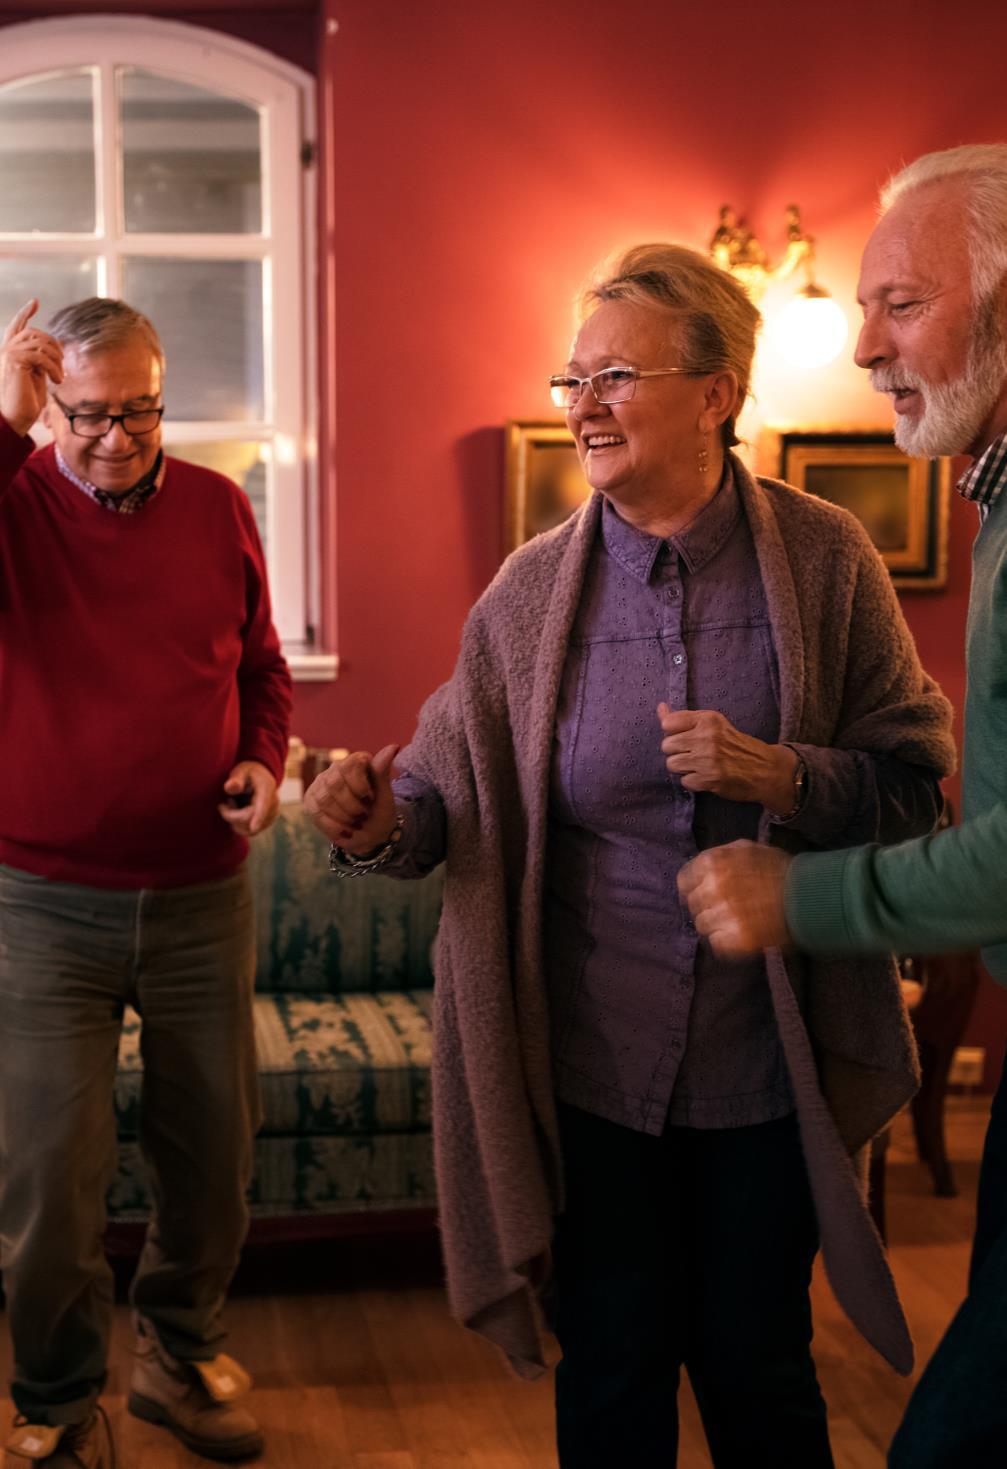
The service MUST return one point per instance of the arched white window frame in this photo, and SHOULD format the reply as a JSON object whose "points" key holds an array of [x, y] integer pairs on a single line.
{"points": [[286, 247]]}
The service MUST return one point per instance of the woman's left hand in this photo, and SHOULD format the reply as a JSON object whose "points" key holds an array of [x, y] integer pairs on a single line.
{"points": [[705, 750]]}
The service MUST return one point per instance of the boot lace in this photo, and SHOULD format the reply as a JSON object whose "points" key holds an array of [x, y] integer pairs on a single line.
{"points": [[99, 1412]]}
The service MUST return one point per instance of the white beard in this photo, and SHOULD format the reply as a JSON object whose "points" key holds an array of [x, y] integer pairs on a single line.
{"points": [[954, 412]]}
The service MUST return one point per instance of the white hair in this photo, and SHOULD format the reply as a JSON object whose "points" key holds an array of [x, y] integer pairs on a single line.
{"points": [[982, 167]]}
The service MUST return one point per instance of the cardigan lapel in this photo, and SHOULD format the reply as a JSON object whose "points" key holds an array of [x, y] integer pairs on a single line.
{"points": [[851, 1248], [781, 599], [852, 1251], [563, 599]]}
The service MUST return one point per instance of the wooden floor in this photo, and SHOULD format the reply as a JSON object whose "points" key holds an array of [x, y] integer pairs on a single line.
{"points": [[357, 1365]]}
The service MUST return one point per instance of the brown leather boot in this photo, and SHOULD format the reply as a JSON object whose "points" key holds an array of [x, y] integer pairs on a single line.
{"points": [[71, 1446], [196, 1401]]}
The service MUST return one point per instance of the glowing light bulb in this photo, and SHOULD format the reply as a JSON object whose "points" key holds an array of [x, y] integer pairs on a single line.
{"points": [[811, 329]]}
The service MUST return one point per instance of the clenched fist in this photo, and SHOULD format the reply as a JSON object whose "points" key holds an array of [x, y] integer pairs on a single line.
{"points": [[736, 895], [704, 749], [353, 803]]}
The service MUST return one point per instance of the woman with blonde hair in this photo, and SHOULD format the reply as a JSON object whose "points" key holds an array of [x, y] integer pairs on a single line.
{"points": [[656, 1140]]}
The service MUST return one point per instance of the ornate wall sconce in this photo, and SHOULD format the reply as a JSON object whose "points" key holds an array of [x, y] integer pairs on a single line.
{"points": [[811, 329]]}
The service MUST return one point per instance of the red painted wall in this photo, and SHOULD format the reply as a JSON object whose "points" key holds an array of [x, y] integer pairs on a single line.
{"points": [[477, 161], [482, 159]]}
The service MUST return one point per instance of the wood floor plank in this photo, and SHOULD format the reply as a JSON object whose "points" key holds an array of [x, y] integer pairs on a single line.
{"points": [[358, 1365], [433, 1428], [472, 1384]]}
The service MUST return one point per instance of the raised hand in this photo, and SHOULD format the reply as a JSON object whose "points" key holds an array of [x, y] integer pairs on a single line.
{"points": [[29, 359], [353, 803]]}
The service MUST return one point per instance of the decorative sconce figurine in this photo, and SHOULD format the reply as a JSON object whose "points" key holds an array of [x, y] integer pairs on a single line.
{"points": [[811, 329], [736, 249]]}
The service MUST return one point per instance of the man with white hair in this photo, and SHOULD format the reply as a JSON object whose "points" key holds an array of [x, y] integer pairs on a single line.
{"points": [[933, 288]]}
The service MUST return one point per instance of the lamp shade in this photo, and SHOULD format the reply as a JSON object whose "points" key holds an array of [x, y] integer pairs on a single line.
{"points": [[811, 329]]}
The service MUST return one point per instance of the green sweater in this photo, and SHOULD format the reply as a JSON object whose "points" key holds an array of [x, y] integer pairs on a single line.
{"points": [[945, 892]]}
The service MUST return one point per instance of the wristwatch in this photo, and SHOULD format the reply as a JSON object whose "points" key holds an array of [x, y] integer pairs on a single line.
{"points": [[800, 787]]}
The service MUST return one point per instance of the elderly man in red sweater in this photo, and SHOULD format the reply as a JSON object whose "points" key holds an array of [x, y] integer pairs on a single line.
{"points": [[144, 708]]}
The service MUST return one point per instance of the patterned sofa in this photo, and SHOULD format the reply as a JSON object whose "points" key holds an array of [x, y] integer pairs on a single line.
{"points": [[342, 1018]]}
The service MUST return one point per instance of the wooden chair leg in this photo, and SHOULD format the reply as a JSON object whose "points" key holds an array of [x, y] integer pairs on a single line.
{"points": [[928, 1122], [939, 1020], [919, 1106]]}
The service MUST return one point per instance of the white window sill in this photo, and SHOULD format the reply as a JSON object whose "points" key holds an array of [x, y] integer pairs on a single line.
{"points": [[311, 667]]}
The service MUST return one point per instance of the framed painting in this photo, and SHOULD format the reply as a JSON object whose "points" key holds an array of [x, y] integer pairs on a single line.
{"points": [[902, 503], [544, 480]]}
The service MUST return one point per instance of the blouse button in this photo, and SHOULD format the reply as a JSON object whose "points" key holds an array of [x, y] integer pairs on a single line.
{"points": [[678, 658]]}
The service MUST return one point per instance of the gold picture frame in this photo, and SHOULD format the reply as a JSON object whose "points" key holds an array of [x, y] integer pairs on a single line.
{"points": [[544, 480], [902, 503]]}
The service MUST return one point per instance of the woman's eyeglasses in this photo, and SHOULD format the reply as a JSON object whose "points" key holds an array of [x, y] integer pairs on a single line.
{"points": [[611, 385]]}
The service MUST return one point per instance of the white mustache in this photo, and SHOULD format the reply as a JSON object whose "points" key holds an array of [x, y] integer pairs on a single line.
{"points": [[888, 379]]}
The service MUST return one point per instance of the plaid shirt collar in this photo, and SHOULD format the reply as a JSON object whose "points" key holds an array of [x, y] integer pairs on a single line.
{"points": [[984, 481], [125, 504]]}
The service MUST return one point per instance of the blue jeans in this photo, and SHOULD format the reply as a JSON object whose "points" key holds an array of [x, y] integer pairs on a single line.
{"points": [[957, 1417], [695, 1249], [71, 958]]}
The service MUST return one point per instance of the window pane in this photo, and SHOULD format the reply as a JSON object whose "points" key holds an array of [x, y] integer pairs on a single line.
{"points": [[47, 154], [246, 463], [191, 158], [209, 316], [55, 280]]}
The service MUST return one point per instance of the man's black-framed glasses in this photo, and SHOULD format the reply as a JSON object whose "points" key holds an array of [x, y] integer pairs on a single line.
{"points": [[136, 422], [611, 385]]}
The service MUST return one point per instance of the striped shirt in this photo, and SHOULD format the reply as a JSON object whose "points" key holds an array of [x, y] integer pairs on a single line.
{"points": [[984, 480]]}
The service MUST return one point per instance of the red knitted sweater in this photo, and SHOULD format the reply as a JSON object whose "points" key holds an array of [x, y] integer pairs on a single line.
{"points": [[138, 663]]}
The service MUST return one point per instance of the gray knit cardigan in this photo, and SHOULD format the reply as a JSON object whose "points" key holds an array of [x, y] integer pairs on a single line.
{"points": [[850, 678]]}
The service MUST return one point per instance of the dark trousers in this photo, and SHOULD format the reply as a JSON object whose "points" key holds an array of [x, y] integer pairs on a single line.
{"points": [[695, 1249], [957, 1417], [71, 958]]}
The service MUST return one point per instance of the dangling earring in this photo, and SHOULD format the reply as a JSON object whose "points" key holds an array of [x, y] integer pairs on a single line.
{"points": [[704, 454]]}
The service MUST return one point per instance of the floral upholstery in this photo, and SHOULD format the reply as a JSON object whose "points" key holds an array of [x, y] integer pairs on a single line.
{"points": [[342, 1026], [317, 932]]}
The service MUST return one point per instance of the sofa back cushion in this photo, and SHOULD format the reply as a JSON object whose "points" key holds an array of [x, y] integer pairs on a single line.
{"points": [[315, 931]]}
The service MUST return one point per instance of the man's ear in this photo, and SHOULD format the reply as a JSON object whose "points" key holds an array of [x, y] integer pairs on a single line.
{"points": [[48, 414]]}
